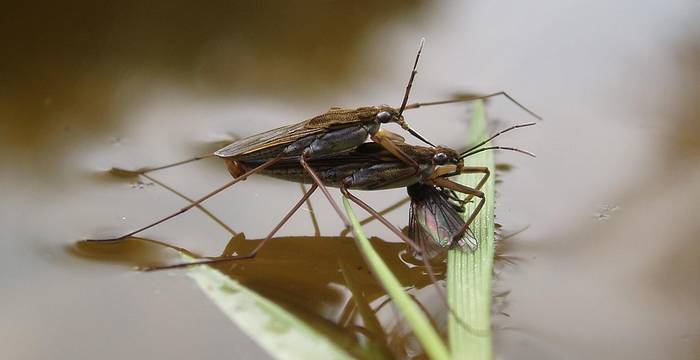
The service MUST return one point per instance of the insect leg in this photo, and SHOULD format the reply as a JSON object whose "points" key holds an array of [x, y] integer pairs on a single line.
{"points": [[443, 298], [312, 214], [406, 239], [198, 201], [476, 170], [465, 190], [254, 252], [472, 98], [324, 189], [385, 141], [385, 211], [360, 303], [191, 201], [146, 170], [382, 219], [284, 219]]}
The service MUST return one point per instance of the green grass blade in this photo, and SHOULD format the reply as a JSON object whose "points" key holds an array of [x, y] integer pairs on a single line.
{"points": [[469, 274], [280, 333], [417, 319]]}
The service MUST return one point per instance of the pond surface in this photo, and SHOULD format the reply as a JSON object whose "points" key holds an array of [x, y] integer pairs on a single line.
{"points": [[606, 268]]}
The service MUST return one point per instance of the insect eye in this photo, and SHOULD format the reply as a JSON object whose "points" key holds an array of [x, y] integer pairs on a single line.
{"points": [[384, 117], [440, 158]]}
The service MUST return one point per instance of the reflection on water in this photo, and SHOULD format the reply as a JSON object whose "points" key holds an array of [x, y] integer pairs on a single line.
{"points": [[135, 252], [320, 284], [322, 280]]}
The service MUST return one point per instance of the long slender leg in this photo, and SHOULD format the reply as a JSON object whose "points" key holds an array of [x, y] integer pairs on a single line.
{"points": [[198, 201], [472, 98], [145, 170], [385, 211], [466, 190], [476, 170], [425, 310], [163, 244], [324, 189], [434, 280], [255, 251], [285, 219], [381, 218], [444, 173], [196, 158], [386, 142], [361, 304], [191, 201], [312, 214], [417, 247], [441, 292]]}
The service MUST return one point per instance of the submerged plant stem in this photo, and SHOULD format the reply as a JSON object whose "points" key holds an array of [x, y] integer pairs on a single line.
{"points": [[469, 274]]}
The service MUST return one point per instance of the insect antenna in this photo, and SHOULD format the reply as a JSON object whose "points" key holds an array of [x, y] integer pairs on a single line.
{"points": [[410, 79], [408, 92], [419, 136], [498, 148], [495, 136]]}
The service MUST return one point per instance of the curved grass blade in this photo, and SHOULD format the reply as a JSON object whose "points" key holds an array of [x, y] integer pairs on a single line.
{"points": [[417, 319], [281, 334], [469, 274]]}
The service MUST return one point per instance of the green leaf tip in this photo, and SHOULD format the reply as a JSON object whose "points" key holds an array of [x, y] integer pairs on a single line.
{"points": [[280, 333]]}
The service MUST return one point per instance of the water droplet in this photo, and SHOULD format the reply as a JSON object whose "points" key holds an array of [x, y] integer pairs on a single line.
{"points": [[605, 211]]}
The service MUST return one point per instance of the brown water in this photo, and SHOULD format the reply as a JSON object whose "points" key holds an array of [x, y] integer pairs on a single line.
{"points": [[607, 268]]}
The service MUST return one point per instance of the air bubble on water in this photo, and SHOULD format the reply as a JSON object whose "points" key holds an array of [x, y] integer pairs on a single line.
{"points": [[140, 184], [605, 211]]}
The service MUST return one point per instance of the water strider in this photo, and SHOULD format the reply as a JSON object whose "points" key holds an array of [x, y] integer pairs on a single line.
{"points": [[336, 131], [371, 167], [434, 222]]}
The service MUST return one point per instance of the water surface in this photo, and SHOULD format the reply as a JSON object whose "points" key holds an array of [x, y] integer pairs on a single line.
{"points": [[606, 269]]}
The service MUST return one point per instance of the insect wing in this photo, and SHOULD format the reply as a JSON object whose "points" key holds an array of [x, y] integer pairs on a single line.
{"points": [[280, 136], [433, 221], [423, 229]]}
